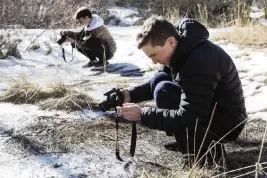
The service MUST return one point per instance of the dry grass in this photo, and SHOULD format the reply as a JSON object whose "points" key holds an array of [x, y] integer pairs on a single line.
{"points": [[249, 36], [24, 143], [72, 101], [51, 134], [58, 95], [23, 91], [200, 173], [55, 136], [233, 13]]}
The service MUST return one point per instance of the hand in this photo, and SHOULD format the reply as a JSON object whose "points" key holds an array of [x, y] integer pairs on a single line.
{"points": [[126, 95], [131, 111], [70, 40]]}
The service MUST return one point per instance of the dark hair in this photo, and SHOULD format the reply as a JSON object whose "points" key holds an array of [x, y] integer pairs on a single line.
{"points": [[155, 31], [83, 12]]}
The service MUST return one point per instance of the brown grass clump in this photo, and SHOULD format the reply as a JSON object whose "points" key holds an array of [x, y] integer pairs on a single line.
{"points": [[72, 101], [23, 91], [249, 36], [56, 96]]}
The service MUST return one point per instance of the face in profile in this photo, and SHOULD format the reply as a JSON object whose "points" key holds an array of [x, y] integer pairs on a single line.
{"points": [[85, 20], [161, 54]]}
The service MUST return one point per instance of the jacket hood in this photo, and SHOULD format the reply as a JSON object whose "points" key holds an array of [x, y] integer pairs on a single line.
{"points": [[96, 22], [191, 33]]}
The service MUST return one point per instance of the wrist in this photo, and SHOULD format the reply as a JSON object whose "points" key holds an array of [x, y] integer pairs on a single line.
{"points": [[126, 95]]}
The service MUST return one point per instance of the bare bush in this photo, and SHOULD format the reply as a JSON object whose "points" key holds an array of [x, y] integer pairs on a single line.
{"points": [[44, 14], [209, 12], [257, 36], [8, 46], [57, 14]]}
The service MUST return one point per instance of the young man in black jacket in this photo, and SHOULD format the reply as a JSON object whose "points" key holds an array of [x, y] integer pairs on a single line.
{"points": [[197, 74]]}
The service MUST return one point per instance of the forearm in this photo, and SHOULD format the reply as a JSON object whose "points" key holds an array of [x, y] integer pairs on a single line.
{"points": [[141, 93]]}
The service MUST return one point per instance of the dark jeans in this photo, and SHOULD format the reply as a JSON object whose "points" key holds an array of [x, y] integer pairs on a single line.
{"points": [[96, 47], [167, 95]]}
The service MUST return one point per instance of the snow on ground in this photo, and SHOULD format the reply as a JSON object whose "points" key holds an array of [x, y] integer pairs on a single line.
{"points": [[51, 68], [264, 22]]}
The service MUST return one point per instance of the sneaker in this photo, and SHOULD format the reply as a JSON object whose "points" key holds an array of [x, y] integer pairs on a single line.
{"points": [[94, 64], [88, 65], [172, 146]]}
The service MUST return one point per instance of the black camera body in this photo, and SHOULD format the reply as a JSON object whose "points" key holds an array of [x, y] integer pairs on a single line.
{"points": [[114, 98], [63, 38], [65, 34]]}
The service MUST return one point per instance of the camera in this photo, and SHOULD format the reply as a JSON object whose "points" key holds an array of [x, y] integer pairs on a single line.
{"points": [[114, 98], [63, 38], [65, 34]]}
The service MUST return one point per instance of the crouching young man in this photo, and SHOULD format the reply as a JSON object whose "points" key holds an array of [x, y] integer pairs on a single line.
{"points": [[95, 40], [196, 75]]}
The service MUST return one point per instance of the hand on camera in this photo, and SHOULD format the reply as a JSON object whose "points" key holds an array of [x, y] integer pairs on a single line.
{"points": [[131, 111], [68, 39]]}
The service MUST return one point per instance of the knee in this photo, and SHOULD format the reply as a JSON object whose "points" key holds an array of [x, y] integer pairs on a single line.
{"points": [[161, 90], [159, 77]]}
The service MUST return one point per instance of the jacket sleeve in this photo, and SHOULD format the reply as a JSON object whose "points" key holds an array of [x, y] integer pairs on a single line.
{"points": [[199, 84], [80, 43], [141, 93]]}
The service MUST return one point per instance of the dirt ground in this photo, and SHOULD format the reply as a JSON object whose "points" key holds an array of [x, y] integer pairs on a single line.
{"points": [[57, 136]]}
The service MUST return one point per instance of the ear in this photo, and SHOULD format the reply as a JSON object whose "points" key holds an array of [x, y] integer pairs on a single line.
{"points": [[172, 41]]}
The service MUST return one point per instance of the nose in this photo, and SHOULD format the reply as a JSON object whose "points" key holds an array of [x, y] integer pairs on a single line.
{"points": [[154, 60]]}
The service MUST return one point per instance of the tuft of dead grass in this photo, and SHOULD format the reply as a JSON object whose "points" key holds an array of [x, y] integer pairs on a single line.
{"points": [[56, 96], [249, 36], [200, 172], [23, 91], [72, 101]]}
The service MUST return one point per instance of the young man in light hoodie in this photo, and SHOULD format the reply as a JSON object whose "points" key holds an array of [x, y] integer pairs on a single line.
{"points": [[94, 41]]}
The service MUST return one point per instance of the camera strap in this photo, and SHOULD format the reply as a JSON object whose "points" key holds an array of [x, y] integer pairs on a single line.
{"points": [[64, 57], [133, 138]]}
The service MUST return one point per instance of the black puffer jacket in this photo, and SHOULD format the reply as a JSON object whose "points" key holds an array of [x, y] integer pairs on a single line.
{"points": [[207, 75]]}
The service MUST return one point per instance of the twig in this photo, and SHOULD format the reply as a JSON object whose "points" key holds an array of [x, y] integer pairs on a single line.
{"points": [[244, 174], [203, 140], [219, 141], [195, 140], [44, 31], [225, 173], [264, 172], [258, 166], [248, 173], [156, 164], [144, 174], [107, 136]]}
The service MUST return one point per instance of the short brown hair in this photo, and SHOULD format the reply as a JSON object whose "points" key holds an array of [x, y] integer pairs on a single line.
{"points": [[82, 12], [155, 30]]}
